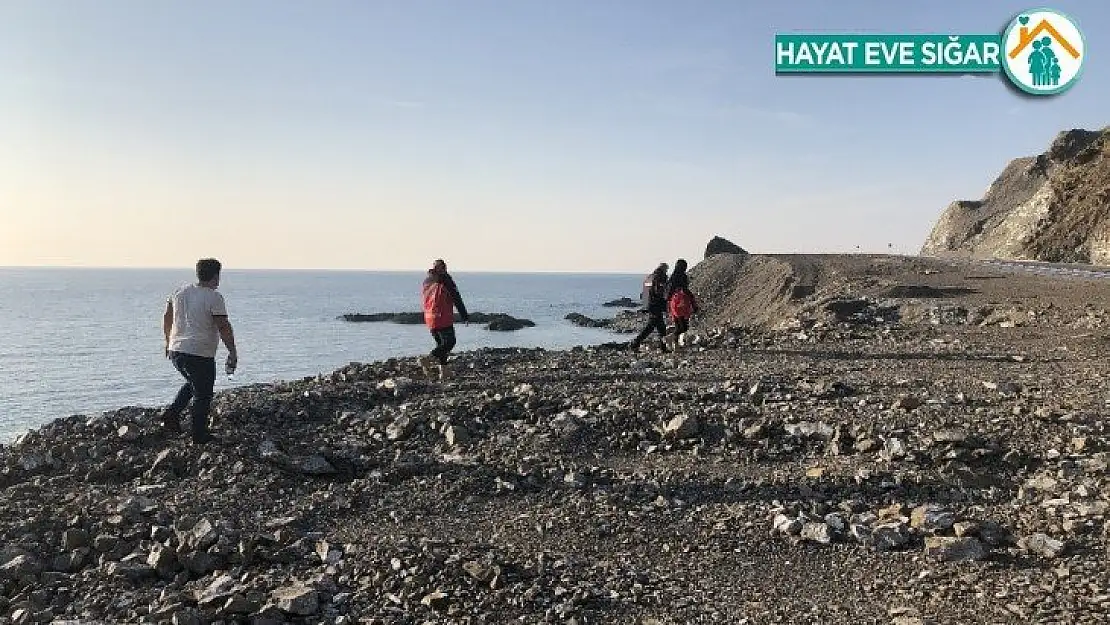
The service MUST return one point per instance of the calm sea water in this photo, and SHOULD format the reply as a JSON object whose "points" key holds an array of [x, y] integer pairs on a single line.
{"points": [[81, 341]]}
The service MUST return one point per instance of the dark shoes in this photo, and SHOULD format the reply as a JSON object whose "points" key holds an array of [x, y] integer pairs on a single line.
{"points": [[170, 423], [204, 439]]}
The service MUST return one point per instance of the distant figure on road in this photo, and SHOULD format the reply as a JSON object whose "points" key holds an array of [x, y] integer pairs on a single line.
{"points": [[441, 297], [194, 322], [654, 296], [681, 303]]}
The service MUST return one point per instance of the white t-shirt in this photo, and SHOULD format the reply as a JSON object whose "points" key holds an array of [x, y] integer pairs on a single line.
{"points": [[194, 327]]}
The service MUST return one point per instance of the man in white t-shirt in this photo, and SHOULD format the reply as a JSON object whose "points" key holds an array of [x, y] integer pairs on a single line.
{"points": [[194, 322]]}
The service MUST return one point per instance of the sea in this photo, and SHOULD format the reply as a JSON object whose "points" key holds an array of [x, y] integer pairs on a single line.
{"points": [[84, 341]]}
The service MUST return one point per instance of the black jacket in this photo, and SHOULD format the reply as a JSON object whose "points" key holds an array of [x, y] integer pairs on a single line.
{"points": [[655, 291]]}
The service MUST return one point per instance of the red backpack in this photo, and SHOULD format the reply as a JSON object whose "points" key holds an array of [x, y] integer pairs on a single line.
{"points": [[681, 305], [438, 313]]}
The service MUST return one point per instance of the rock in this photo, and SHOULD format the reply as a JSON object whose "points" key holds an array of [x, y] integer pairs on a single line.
{"points": [[818, 533], [955, 436], [327, 553], [401, 428], [128, 433], [199, 563], [456, 435], [498, 322], [217, 592], [1043, 483], [478, 571], [203, 535], [720, 245], [133, 572], [162, 559], [787, 525], [238, 604], [583, 321], [894, 449], [166, 461], [681, 426], [1043, 545], [624, 302], [949, 549], [437, 600], [313, 465], [186, 617], [966, 528], [73, 539], [755, 432], [809, 429], [907, 403], [20, 567], [865, 445], [932, 518], [889, 536], [506, 323], [297, 600]]}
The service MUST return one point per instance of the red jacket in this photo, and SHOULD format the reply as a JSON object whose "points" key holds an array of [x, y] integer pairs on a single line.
{"points": [[441, 296]]}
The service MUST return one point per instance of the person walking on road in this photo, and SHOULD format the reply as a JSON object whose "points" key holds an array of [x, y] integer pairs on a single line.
{"points": [[654, 296], [441, 296], [194, 322]]}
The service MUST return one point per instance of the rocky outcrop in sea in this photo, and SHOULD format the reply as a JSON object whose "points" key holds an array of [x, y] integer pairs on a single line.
{"points": [[497, 322]]}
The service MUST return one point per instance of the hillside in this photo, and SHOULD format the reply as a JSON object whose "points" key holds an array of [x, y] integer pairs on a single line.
{"points": [[1051, 207]]}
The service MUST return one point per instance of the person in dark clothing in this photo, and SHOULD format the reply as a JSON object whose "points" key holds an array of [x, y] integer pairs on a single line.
{"points": [[680, 301], [441, 296], [655, 297]]}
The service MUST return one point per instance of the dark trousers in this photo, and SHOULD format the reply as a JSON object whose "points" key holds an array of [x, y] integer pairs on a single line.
{"points": [[445, 342], [681, 325], [655, 323], [200, 377]]}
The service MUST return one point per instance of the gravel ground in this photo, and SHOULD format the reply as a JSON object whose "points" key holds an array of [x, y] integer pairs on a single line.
{"points": [[850, 463]]}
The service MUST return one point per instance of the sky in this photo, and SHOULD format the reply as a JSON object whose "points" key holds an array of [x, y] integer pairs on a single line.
{"points": [[533, 135]]}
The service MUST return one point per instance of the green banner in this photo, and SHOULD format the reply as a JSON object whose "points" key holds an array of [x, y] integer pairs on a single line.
{"points": [[801, 53]]}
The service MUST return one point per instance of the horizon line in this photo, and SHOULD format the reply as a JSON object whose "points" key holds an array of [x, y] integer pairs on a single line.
{"points": [[469, 271], [312, 269]]}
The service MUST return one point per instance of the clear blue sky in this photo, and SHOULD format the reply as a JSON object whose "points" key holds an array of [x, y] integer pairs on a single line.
{"points": [[512, 135]]}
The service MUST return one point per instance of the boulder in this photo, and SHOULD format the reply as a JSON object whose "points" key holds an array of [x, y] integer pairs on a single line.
{"points": [[624, 302], [720, 245], [496, 322]]}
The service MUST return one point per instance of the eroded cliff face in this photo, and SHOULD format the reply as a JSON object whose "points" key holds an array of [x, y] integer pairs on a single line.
{"points": [[1052, 207]]}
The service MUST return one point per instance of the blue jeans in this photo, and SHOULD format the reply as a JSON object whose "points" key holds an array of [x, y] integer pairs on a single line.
{"points": [[200, 378]]}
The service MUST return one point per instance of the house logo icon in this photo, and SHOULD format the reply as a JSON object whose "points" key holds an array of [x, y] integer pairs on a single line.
{"points": [[1043, 52]]}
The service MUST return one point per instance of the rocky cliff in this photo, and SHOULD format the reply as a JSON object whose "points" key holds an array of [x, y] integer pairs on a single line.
{"points": [[1052, 207]]}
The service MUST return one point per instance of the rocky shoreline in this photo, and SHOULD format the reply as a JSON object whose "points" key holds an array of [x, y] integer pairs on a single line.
{"points": [[860, 460]]}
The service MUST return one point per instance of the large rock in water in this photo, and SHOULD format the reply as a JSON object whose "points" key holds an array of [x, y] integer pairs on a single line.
{"points": [[496, 322], [719, 245], [1052, 207]]}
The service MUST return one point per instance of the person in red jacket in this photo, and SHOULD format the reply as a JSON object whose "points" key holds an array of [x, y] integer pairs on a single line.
{"points": [[680, 303], [441, 297]]}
